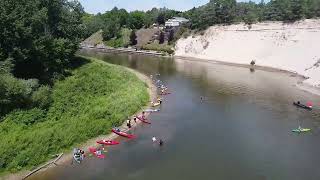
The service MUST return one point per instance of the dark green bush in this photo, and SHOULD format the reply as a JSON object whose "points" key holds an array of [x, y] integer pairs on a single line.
{"points": [[42, 97], [28, 117]]}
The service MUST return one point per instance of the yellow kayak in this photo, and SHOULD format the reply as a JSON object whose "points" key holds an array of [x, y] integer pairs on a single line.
{"points": [[156, 104]]}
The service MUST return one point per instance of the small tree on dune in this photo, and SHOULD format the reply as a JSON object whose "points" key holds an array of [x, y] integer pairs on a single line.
{"points": [[133, 38]]}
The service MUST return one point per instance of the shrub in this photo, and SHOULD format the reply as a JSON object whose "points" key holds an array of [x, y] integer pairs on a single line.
{"points": [[27, 117], [42, 97]]}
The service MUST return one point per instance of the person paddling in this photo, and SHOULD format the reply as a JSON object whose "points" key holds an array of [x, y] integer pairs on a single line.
{"points": [[161, 142], [143, 116], [154, 139]]}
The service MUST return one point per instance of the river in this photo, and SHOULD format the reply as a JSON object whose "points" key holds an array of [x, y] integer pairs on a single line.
{"points": [[242, 130]]}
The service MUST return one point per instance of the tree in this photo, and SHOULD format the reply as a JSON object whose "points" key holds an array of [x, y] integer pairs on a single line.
{"points": [[38, 40], [161, 19], [133, 38], [298, 9], [136, 20], [171, 35], [225, 10], [161, 37], [111, 30]]}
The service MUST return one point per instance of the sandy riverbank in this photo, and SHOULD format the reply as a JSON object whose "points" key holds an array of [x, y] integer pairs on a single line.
{"points": [[290, 47], [67, 157]]}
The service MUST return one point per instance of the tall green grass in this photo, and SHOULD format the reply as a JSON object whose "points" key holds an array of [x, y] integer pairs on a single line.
{"points": [[86, 104]]}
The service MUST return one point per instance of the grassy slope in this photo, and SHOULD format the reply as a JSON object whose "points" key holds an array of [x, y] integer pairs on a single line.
{"points": [[123, 41], [96, 97], [94, 39]]}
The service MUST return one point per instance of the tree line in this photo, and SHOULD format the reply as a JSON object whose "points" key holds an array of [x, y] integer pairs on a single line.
{"points": [[111, 22], [38, 40], [231, 11]]}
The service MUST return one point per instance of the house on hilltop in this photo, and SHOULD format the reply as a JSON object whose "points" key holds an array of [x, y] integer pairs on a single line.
{"points": [[176, 22]]}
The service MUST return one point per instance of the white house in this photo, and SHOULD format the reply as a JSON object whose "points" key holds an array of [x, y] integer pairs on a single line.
{"points": [[176, 21]]}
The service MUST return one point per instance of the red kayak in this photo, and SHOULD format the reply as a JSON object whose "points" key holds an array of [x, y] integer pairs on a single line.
{"points": [[123, 134], [143, 120], [108, 142], [97, 153]]}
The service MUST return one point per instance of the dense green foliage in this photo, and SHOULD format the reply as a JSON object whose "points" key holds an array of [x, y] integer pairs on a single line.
{"points": [[111, 22], [88, 103], [38, 39], [230, 11]]}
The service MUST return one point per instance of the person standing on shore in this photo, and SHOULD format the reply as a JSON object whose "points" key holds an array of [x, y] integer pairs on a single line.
{"points": [[135, 119], [129, 123]]}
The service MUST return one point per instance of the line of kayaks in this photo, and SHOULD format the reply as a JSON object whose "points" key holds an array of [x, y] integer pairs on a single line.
{"points": [[78, 155]]}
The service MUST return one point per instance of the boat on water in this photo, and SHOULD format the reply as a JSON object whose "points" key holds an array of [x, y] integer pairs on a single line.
{"points": [[152, 110], [108, 142], [301, 130], [123, 134], [143, 120], [97, 153], [298, 104]]}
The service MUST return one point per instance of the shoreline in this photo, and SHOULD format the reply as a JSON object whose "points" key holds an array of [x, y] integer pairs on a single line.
{"points": [[66, 157], [300, 78], [126, 50]]}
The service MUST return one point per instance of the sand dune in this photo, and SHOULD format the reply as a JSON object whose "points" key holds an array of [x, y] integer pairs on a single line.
{"points": [[293, 47]]}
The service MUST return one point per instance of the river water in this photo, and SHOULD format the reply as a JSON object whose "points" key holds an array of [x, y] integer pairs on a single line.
{"points": [[242, 130]]}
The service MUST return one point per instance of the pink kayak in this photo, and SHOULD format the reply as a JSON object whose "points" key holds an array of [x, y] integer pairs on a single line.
{"points": [[123, 134], [97, 153], [143, 120], [108, 142]]}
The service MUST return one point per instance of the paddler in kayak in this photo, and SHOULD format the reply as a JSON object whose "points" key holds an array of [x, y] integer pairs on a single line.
{"points": [[143, 116], [154, 139], [161, 142], [98, 152]]}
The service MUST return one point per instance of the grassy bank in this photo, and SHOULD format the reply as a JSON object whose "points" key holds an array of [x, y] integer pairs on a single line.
{"points": [[88, 103], [159, 48]]}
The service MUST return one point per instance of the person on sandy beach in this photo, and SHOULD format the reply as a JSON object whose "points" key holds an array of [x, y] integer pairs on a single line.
{"points": [[129, 123]]}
